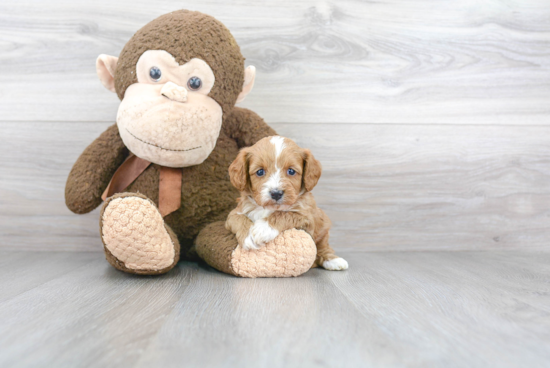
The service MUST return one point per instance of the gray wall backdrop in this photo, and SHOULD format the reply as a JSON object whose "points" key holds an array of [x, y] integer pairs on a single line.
{"points": [[431, 118]]}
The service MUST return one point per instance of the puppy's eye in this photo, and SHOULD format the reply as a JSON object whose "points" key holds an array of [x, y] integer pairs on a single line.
{"points": [[194, 83], [291, 172], [155, 73], [260, 172]]}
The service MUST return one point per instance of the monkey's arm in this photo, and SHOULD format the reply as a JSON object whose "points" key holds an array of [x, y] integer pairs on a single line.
{"points": [[93, 170], [246, 127]]}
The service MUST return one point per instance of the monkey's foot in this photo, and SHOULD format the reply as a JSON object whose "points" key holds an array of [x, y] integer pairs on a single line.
{"points": [[290, 254], [135, 236]]}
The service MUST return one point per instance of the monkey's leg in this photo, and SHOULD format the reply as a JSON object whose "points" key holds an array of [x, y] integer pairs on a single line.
{"points": [[290, 254], [135, 237]]}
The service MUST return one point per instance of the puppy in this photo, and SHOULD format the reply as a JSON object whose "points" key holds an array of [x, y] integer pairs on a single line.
{"points": [[275, 178]]}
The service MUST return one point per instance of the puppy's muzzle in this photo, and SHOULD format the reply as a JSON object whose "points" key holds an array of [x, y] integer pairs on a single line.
{"points": [[276, 194]]}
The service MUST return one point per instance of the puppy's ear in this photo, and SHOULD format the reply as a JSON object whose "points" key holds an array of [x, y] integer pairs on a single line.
{"points": [[312, 170], [238, 171]]}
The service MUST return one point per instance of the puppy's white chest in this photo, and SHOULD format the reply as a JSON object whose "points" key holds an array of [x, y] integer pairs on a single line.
{"points": [[258, 213]]}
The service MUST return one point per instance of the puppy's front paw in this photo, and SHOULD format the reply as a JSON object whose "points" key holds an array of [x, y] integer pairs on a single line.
{"points": [[262, 233], [336, 264], [249, 243]]}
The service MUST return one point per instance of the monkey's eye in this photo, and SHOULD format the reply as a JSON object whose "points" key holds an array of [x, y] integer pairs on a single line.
{"points": [[194, 83], [291, 172], [260, 172], [155, 73]]}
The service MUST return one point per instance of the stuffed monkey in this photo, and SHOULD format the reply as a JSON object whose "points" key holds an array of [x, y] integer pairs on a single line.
{"points": [[162, 170]]}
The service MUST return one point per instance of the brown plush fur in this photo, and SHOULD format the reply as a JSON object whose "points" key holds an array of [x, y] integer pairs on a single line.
{"points": [[215, 245], [93, 170], [207, 194], [185, 35]]}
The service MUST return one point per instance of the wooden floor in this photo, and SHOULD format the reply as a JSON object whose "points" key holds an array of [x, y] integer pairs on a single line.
{"points": [[390, 309]]}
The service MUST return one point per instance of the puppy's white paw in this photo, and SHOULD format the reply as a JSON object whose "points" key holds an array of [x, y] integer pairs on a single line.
{"points": [[336, 264], [249, 243], [262, 233]]}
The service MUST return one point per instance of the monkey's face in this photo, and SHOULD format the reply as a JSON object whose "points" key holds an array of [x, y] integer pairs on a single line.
{"points": [[167, 117], [172, 105]]}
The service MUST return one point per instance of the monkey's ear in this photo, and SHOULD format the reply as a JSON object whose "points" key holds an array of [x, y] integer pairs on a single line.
{"points": [[105, 66], [312, 170], [238, 171], [249, 76]]}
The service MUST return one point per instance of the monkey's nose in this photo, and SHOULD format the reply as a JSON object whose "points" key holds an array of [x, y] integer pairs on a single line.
{"points": [[276, 194], [174, 92]]}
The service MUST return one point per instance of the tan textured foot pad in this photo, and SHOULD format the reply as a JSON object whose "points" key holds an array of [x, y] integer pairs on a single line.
{"points": [[290, 254], [133, 231]]}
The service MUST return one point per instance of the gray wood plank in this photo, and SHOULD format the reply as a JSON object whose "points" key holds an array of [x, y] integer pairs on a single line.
{"points": [[396, 61], [396, 187], [223, 321], [487, 309], [23, 271], [94, 316], [390, 309]]}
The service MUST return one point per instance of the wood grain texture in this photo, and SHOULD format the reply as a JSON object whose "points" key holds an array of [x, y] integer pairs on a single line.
{"points": [[23, 271], [397, 187], [390, 309], [396, 61]]}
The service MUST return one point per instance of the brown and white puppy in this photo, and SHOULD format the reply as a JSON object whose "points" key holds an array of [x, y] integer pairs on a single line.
{"points": [[275, 178]]}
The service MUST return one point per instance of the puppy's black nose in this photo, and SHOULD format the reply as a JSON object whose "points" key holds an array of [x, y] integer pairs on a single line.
{"points": [[276, 194]]}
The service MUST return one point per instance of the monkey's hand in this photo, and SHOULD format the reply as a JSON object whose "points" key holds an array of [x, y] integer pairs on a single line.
{"points": [[93, 170]]}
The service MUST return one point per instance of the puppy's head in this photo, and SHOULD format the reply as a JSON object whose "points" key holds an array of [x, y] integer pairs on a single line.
{"points": [[275, 172]]}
